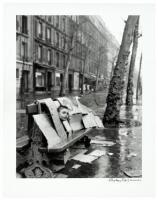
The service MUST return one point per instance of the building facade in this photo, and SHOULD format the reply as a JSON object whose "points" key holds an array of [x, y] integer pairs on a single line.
{"points": [[43, 43]]}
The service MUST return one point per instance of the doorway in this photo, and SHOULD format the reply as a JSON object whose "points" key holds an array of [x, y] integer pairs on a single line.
{"points": [[70, 82], [49, 80], [26, 81]]}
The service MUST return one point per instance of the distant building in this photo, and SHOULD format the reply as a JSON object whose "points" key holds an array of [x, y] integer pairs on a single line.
{"points": [[42, 44]]}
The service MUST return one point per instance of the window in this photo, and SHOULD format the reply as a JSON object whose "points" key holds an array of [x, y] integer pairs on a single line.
{"points": [[40, 79], [63, 61], [40, 52], [24, 24], [57, 38], [63, 42], [57, 59], [74, 18], [57, 79], [49, 80], [24, 50], [48, 34], [49, 18], [17, 73], [49, 56], [40, 29], [64, 24], [26, 80], [17, 23], [57, 21]]}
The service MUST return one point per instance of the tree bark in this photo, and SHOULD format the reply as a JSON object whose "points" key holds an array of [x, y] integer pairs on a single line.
{"points": [[130, 92], [117, 83], [96, 84], [74, 28], [138, 80], [100, 51], [82, 77], [84, 66], [65, 75]]}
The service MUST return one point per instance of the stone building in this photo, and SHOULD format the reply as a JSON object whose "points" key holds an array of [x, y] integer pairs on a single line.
{"points": [[24, 54], [43, 43]]}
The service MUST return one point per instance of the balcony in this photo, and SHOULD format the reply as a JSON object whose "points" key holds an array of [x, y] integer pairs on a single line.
{"points": [[25, 58]]}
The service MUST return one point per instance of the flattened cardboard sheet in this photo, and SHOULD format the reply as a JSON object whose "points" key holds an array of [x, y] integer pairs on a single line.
{"points": [[48, 131], [55, 117]]}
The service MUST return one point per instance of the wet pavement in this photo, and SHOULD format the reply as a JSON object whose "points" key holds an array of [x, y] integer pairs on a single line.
{"points": [[123, 159], [119, 160], [123, 155]]}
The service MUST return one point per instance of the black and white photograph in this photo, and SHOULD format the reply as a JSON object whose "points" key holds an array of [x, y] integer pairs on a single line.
{"points": [[79, 100], [79, 97]]}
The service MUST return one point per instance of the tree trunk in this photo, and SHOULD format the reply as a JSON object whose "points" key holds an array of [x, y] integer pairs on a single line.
{"points": [[65, 75], [22, 84], [96, 84], [98, 67], [66, 70], [130, 92], [117, 83], [138, 80], [82, 77]]}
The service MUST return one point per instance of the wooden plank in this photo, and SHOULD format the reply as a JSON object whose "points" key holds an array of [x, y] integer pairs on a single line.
{"points": [[55, 117], [48, 131]]}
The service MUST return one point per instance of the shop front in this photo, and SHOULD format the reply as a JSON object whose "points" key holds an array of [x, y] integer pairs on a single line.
{"points": [[43, 79]]}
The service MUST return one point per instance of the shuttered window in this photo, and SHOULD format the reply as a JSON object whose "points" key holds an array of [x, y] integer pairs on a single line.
{"points": [[24, 24]]}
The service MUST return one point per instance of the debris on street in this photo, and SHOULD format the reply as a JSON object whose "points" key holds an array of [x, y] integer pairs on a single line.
{"points": [[84, 158], [76, 166], [131, 155], [97, 153], [102, 143], [61, 176], [110, 154]]}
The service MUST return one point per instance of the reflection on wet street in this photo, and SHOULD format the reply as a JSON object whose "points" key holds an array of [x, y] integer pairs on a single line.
{"points": [[123, 152]]}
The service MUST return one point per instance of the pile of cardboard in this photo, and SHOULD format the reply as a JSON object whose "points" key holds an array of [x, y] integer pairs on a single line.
{"points": [[80, 116]]}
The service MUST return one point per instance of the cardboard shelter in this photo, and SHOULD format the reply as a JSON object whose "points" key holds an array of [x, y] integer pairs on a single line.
{"points": [[82, 119]]}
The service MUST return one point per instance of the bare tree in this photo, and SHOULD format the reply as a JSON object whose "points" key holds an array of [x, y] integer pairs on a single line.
{"points": [[101, 51], [113, 65], [88, 44], [71, 42], [117, 83], [139, 79], [130, 86]]}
